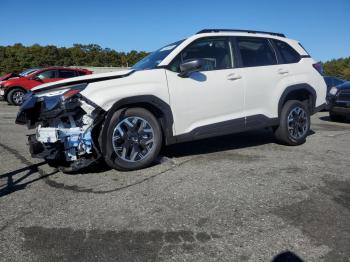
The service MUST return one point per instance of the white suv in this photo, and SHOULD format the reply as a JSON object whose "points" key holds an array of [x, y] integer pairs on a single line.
{"points": [[213, 83]]}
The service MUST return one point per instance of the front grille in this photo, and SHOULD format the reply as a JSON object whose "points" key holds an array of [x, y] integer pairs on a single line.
{"points": [[344, 96]]}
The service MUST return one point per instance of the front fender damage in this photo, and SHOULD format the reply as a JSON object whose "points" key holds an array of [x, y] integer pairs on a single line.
{"points": [[66, 130]]}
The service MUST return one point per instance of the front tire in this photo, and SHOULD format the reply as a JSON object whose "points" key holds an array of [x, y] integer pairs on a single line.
{"points": [[294, 124], [15, 96], [133, 139]]}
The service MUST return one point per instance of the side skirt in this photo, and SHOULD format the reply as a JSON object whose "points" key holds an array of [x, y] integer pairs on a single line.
{"points": [[227, 127]]}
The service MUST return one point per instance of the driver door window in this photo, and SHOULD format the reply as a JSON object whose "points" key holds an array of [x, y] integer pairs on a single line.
{"points": [[216, 54], [47, 74]]}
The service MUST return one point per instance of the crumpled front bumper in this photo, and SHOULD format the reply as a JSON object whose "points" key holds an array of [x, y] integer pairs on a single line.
{"points": [[64, 130]]}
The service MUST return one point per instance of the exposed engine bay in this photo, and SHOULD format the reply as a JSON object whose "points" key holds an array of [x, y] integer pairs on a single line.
{"points": [[64, 121]]}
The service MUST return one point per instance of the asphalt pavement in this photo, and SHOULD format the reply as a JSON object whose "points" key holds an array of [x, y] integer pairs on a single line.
{"points": [[234, 198]]}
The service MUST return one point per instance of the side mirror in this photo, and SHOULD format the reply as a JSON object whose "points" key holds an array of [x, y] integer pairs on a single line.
{"points": [[36, 78], [190, 66]]}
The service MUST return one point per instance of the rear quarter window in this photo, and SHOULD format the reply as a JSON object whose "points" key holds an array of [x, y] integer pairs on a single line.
{"points": [[303, 48], [287, 53], [81, 73]]}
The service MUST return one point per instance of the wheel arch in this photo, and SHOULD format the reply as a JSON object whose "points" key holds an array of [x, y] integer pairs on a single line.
{"points": [[9, 89], [301, 92], [160, 109]]}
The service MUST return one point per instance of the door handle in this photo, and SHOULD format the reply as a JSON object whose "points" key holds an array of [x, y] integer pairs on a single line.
{"points": [[233, 76], [282, 71]]}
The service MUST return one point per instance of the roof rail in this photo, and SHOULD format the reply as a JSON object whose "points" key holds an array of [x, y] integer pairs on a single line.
{"points": [[239, 30]]}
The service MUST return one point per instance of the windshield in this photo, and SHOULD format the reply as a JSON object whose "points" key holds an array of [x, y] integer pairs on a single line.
{"points": [[28, 72], [153, 60]]}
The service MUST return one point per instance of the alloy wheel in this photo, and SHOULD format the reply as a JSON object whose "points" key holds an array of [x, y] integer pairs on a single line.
{"points": [[17, 97], [297, 123], [133, 139]]}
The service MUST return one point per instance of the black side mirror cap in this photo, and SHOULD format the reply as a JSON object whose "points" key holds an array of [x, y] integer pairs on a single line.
{"points": [[190, 66], [36, 78]]}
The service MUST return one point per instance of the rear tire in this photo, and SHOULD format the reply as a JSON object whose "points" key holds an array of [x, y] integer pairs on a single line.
{"points": [[133, 140], [294, 124], [336, 118], [15, 96]]}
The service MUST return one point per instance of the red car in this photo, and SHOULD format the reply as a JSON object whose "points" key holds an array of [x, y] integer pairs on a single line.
{"points": [[7, 76], [14, 89]]}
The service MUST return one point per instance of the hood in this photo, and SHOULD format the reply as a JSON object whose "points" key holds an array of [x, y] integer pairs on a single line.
{"points": [[83, 79], [345, 85], [8, 76]]}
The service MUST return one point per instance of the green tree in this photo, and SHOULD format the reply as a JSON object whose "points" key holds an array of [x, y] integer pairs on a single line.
{"points": [[17, 57], [338, 67]]}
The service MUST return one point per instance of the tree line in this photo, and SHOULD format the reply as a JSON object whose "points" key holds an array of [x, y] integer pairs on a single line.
{"points": [[18, 57], [338, 67]]}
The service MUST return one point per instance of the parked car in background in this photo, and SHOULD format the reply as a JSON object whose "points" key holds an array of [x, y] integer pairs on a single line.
{"points": [[7, 76], [13, 75], [332, 81], [14, 89], [338, 102]]}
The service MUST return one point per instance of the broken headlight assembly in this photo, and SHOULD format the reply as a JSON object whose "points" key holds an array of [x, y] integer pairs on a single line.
{"points": [[61, 97]]}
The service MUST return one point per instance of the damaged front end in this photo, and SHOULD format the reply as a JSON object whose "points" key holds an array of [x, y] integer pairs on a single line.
{"points": [[66, 126]]}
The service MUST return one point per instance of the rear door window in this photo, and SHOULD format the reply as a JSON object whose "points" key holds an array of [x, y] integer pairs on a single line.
{"points": [[66, 73], [256, 52]]}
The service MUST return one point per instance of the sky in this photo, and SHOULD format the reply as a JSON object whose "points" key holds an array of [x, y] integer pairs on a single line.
{"points": [[322, 26]]}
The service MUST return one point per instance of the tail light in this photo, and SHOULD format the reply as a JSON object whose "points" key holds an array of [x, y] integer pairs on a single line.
{"points": [[319, 68]]}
